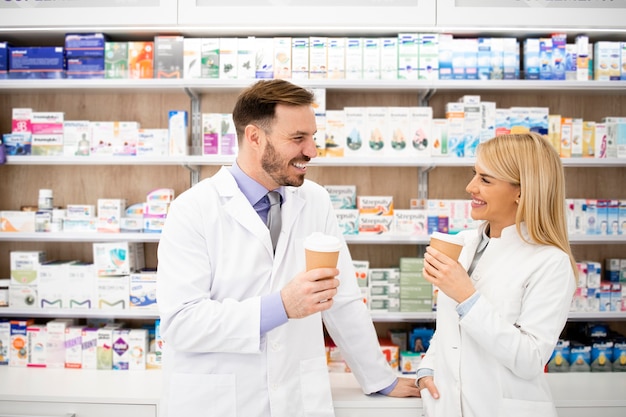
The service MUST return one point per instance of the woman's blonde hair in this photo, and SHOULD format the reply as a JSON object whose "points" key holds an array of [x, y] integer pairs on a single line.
{"points": [[531, 162]]}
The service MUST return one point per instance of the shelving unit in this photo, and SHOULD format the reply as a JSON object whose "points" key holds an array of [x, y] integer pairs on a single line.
{"points": [[83, 180]]}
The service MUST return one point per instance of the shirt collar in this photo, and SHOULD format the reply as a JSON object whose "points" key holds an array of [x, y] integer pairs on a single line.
{"points": [[250, 187]]}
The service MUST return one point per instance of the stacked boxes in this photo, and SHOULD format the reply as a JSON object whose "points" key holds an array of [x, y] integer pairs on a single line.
{"points": [[114, 262], [416, 294], [24, 278], [384, 287], [84, 53]]}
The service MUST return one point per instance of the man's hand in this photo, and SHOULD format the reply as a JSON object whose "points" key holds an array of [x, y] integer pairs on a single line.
{"points": [[310, 292], [405, 388]]}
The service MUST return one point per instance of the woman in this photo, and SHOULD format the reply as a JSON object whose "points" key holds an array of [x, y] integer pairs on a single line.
{"points": [[503, 305]]}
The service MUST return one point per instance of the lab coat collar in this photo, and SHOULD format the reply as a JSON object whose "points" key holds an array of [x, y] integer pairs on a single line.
{"points": [[237, 205]]}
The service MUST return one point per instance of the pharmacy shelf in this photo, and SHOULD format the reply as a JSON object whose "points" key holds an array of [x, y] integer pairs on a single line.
{"points": [[362, 239], [597, 316], [199, 86], [346, 161], [138, 314], [597, 240], [135, 314], [431, 316], [78, 237]]}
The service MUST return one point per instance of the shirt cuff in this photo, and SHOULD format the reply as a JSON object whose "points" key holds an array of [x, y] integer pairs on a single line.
{"points": [[421, 373], [463, 308], [387, 391], [273, 312]]}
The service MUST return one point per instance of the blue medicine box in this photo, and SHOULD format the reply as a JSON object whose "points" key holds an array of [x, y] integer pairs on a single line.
{"points": [[4, 60], [36, 62], [84, 44], [85, 67]]}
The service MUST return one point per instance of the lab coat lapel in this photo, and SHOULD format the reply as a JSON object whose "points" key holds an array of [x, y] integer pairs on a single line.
{"points": [[237, 206], [469, 248]]}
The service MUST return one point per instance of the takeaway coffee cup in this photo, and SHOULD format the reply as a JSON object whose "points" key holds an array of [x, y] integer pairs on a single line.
{"points": [[451, 245], [321, 251]]}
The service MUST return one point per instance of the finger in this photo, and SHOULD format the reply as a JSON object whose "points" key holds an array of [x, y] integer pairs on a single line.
{"points": [[325, 285]]}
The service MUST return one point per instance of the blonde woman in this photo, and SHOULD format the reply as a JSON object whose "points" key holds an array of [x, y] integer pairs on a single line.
{"points": [[503, 305]]}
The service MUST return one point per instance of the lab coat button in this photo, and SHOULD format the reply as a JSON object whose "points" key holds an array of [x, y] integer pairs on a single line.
{"points": [[275, 347]]}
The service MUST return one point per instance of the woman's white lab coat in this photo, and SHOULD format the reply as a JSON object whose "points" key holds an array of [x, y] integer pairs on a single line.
{"points": [[490, 363], [215, 261]]}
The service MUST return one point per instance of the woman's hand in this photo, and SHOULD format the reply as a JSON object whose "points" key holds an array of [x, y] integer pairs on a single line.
{"points": [[448, 275], [428, 382]]}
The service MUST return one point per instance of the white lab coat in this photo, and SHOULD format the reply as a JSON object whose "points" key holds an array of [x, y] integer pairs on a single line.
{"points": [[490, 363], [215, 261]]}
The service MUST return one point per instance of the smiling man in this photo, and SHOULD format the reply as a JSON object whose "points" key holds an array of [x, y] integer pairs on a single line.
{"points": [[240, 317]]}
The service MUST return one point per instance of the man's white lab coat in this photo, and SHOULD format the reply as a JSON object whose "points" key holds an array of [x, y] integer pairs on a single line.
{"points": [[214, 263]]}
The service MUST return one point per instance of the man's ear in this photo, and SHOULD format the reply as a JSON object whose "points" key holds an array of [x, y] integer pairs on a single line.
{"points": [[252, 135]]}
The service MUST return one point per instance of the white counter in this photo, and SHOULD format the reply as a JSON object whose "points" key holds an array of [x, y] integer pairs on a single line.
{"points": [[92, 393]]}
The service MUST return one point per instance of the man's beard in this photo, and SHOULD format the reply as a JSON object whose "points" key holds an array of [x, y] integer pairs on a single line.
{"points": [[272, 164]]}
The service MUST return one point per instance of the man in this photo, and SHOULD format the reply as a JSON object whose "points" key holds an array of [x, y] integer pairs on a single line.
{"points": [[242, 322]]}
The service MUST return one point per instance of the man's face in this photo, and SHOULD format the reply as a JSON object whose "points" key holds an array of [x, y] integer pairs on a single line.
{"points": [[289, 146]]}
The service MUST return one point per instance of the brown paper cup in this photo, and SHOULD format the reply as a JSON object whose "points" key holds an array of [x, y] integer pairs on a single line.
{"points": [[321, 251], [316, 259], [447, 244]]}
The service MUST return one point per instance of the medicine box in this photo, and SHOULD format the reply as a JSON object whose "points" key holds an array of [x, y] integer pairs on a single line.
{"points": [[23, 296], [318, 57], [378, 205], [178, 124], [85, 45], [116, 60], [17, 143], [371, 58], [36, 62], [140, 59], [354, 58], [4, 60], [25, 266], [5, 341], [168, 56], [53, 284], [348, 221], [55, 346], [342, 196], [192, 57], [211, 132], [85, 67], [17, 221], [89, 346], [120, 350], [388, 58], [282, 57], [143, 290], [299, 58], [137, 349], [264, 58], [152, 142], [210, 58], [112, 292], [73, 347], [37, 349], [18, 346]]}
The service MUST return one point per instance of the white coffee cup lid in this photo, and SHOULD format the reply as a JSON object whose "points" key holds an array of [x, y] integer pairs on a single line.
{"points": [[456, 239], [321, 242]]}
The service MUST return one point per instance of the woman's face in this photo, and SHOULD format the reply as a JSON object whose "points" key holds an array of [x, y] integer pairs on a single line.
{"points": [[493, 200]]}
